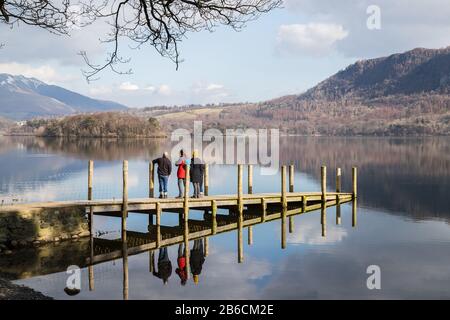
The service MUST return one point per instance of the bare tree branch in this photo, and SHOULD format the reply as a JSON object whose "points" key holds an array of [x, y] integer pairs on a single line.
{"points": [[162, 24]]}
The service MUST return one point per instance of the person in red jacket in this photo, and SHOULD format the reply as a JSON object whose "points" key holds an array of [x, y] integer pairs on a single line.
{"points": [[181, 270], [182, 162]]}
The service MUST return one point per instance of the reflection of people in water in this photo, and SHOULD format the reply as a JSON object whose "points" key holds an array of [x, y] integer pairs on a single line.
{"points": [[181, 270], [164, 266], [197, 259]]}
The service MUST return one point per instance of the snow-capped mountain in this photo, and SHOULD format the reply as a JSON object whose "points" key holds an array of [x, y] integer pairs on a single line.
{"points": [[24, 98]]}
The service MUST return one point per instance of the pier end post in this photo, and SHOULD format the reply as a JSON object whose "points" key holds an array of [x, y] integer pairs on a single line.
{"points": [[324, 183], [250, 179]]}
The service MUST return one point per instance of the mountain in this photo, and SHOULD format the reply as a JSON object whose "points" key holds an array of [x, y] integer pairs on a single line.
{"points": [[24, 98], [414, 72], [402, 94]]}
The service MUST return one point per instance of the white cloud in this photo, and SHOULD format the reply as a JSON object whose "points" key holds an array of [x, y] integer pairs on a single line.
{"points": [[164, 90], [309, 39], [405, 24], [128, 86], [150, 88], [214, 86], [44, 73]]}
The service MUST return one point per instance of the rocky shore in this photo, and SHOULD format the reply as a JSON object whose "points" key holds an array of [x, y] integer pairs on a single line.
{"points": [[10, 291]]}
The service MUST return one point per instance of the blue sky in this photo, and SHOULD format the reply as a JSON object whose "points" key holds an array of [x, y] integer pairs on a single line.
{"points": [[283, 52]]}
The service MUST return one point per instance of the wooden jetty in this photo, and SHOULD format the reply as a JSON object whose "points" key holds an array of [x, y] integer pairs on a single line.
{"points": [[221, 213]]}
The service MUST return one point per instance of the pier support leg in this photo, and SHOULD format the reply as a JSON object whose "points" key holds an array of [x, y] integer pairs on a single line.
{"points": [[250, 235], [354, 212], [283, 228], [158, 224], [214, 216], [355, 182], [206, 245]]}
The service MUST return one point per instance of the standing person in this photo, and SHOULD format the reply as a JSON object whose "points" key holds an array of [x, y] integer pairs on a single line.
{"points": [[197, 171], [181, 270], [182, 162], [164, 266], [197, 259], [164, 171]]}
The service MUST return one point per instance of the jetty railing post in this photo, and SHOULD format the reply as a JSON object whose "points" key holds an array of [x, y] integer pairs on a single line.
{"points": [[354, 208], [283, 187], [250, 179], [291, 224], [283, 228], [186, 220], [124, 199], [291, 178], [206, 180], [304, 204], [158, 224], [338, 197], [324, 183], [355, 181], [250, 235], [151, 180]]}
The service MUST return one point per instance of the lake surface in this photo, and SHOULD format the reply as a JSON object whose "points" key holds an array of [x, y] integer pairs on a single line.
{"points": [[402, 223]]}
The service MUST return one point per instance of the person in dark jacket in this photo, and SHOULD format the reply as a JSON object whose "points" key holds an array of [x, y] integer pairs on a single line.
{"points": [[164, 266], [197, 259], [196, 173], [164, 171]]}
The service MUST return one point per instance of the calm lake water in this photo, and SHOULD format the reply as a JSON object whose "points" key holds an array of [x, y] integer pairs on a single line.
{"points": [[403, 221]]}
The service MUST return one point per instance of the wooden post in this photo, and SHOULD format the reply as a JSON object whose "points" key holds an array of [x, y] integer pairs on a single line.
{"points": [[283, 228], [206, 180], [125, 199], [304, 204], [240, 216], [91, 224], [324, 183], [206, 245], [250, 235], [214, 216], [158, 224], [291, 178], [150, 261], [240, 241], [354, 208], [355, 181], [291, 224], [125, 269], [186, 221], [338, 197], [239, 187], [250, 179], [283, 187], [151, 180], [323, 217], [264, 209], [91, 277]]}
